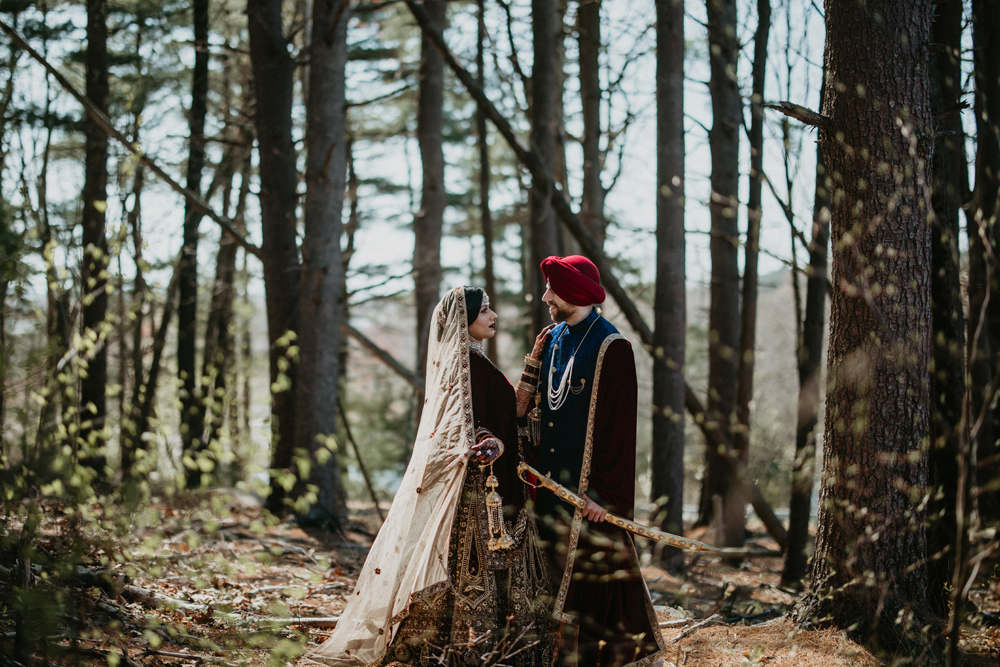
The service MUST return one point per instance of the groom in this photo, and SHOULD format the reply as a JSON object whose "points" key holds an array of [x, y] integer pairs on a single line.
{"points": [[579, 391]]}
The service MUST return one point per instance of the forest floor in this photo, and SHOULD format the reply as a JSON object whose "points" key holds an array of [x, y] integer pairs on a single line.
{"points": [[225, 588]]}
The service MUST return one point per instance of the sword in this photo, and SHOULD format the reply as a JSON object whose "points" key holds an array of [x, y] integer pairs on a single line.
{"points": [[643, 531]]}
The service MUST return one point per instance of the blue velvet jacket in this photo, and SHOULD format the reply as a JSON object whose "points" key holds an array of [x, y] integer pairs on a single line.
{"points": [[564, 431]]}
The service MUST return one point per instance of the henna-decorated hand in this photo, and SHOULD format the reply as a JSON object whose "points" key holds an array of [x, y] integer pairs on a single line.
{"points": [[487, 450], [536, 351]]}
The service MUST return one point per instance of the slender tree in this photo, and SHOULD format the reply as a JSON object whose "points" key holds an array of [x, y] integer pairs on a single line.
{"points": [[546, 31], [869, 573], [273, 70], [217, 349], [751, 251], [428, 222], [93, 405], [950, 191], [9, 238], [129, 435], [485, 215], [322, 264], [724, 140], [810, 357], [589, 38], [187, 309], [984, 279], [669, 316]]}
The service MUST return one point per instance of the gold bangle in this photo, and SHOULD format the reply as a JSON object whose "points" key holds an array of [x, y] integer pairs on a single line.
{"points": [[524, 386], [527, 371], [531, 361]]}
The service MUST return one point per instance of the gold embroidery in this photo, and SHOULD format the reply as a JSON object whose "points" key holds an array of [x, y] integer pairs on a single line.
{"points": [[479, 605], [588, 448]]}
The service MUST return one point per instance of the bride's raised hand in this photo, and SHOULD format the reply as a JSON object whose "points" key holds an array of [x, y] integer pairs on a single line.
{"points": [[536, 351]]}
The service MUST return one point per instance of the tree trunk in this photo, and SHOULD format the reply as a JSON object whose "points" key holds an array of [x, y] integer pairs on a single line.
{"points": [[93, 406], [131, 438], [723, 322], [4, 283], [950, 192], [485, 216], [350, 233], [147, 397], [218, 348], [560, 171], [428, 221], [748, 314], [187, 308], [810, 357], [273, 70], [986, 49], [592, 205], [669, 314], [869, 574], [544, 118], [57, 316], [322, 265]]}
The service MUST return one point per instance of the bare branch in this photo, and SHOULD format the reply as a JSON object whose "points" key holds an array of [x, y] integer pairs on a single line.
{"points": [[105, 123], [801, 114]]}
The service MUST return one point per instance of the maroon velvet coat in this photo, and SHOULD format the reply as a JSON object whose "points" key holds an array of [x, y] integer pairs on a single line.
{"points": [[604, 592]]}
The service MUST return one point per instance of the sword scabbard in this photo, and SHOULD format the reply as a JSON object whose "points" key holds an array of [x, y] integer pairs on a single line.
{"points": [[638, 529]]}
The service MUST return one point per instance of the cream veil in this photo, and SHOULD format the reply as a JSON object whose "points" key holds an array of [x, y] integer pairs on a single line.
{"points": [[409, 558]]}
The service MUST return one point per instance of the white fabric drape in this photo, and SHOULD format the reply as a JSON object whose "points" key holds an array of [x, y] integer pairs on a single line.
{"points": [[409, 558]]}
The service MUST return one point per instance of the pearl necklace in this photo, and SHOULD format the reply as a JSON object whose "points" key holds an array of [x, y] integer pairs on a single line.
{"points": [[557, 396], [476, 346]]}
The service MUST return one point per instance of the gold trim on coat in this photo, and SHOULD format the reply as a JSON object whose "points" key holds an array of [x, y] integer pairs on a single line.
{"points": [[588, 448]]}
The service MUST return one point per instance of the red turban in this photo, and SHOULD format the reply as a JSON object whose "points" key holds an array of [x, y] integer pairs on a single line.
{"points": [[574, 279]]}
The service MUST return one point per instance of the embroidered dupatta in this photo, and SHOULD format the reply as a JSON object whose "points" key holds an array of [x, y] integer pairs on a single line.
{"points": [[409, 559]]}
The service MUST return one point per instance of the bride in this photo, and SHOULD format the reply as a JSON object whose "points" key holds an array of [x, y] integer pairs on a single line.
{"points": [[455, 575]]}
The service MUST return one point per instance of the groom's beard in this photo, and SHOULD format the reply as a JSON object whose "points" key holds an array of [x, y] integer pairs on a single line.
{"points": [[561, 313]]}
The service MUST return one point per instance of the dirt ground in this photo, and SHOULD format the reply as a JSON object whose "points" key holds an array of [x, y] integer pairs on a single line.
{"points": [[205, 590]]}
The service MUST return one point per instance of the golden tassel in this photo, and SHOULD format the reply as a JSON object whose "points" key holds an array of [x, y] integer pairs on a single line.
{"points": [[499, 538]]}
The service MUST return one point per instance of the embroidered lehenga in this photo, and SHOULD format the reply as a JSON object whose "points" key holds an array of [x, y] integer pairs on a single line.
{"points": [[432, 590]]}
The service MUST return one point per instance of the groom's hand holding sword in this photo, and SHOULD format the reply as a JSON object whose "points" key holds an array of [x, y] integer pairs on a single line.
{"points": [[584, 504]]}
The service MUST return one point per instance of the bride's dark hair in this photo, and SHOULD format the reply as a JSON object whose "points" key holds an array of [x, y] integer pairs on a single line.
{"points": [[473, 302]]}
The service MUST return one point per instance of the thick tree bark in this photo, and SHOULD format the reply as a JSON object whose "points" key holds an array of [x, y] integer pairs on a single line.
{"points": [[546, 30], [723, 323], [950, 192], [322, 265], [429, 219], [984, 277], [592, 204], [95, 245], [669, 307], [273, 71], [485, 216], [869, 574], [810, 357], [187, 308]]}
